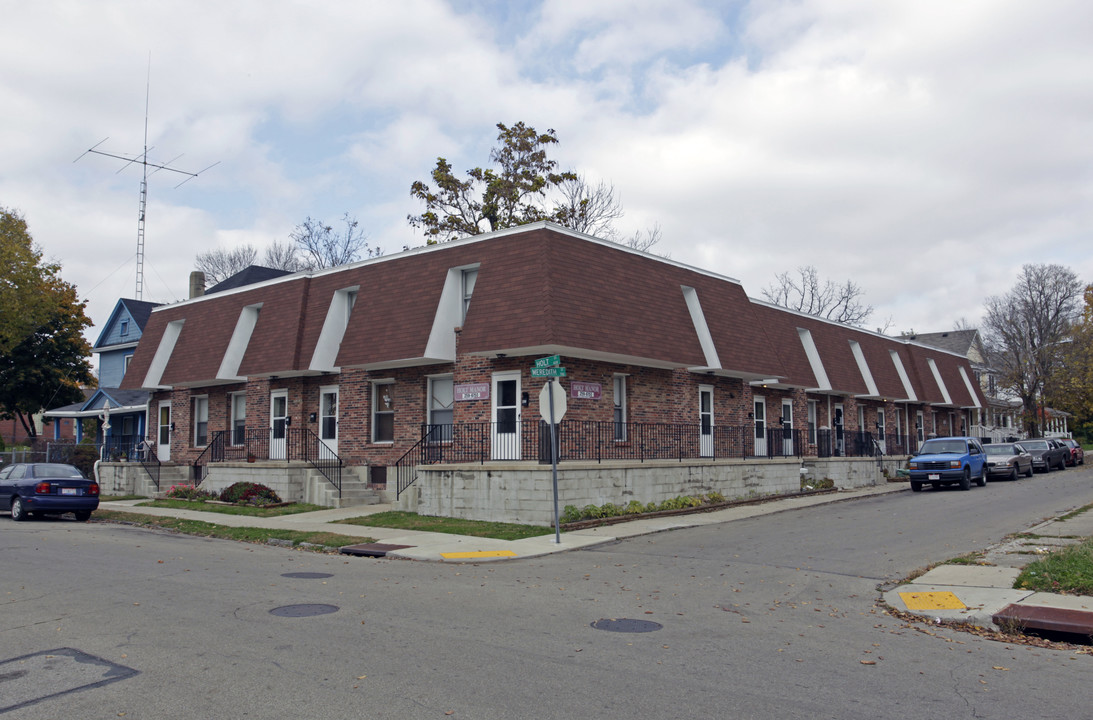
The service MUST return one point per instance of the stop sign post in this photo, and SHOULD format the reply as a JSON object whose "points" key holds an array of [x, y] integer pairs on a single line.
{"points": [[552, 406]]}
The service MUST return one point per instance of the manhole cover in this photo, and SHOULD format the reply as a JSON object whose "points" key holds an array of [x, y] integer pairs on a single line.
{"points": [[305, 610], [307, 575], [626, 625]]}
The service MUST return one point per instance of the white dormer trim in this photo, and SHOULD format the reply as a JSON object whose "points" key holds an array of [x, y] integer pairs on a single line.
{"points": [[814, 359], [904, 378], [968, 384], [448, 316], [702, 328], [940, 382], [154, 377], [237, 347], [863, 367], [334, 326]]}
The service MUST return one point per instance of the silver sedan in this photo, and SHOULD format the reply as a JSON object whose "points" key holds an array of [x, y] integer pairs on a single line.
{"points": [[1008, 460]]}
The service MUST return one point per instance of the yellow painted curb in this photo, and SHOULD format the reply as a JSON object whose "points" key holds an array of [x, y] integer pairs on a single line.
{"points": [[931, 601], [477, 554]]}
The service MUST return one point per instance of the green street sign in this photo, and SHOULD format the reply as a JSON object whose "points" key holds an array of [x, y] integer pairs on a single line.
{"points": [[548, 372], [551, 361]]}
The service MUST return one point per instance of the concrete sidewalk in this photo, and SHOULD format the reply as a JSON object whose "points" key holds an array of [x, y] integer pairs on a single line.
{"points": [[983, 595], [443, 547]]}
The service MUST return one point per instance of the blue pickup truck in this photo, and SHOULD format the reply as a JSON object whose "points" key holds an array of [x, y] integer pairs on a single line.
{"points": [[948, 460]]}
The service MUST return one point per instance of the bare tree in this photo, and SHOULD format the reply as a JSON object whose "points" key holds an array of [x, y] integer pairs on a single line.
{"points": [[221, 263], [1027, 329], [586, 208], [283, 256], [322, 246], [805, 293]]}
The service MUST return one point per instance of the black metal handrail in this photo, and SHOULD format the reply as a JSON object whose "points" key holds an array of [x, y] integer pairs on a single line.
{"points": [[320, 456], [261, 444], [149, 460], [213, 452]]}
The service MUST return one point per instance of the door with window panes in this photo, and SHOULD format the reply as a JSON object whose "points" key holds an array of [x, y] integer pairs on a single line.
{"points": [[705, 420], [787, 428], [163, 436], [278, 424], [505, 437], [328, 417], [759, 415]]}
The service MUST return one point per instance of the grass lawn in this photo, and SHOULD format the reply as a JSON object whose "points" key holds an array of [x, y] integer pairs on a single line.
{"points": [[1069, 570], [474, 528], [250, 510], [244, 534]]}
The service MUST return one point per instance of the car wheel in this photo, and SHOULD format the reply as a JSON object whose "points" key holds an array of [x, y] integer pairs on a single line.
{"points": [[1014, 475], [966, 480], [916, 486], [18, 510], [82, 515], [981, 481]]}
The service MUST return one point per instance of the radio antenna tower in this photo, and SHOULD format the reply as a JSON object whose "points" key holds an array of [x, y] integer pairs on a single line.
{"points": [[142, 159]]}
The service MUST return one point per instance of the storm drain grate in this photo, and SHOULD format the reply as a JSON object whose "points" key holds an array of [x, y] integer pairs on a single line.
{"points": [[32, 678], [626, 625], [307, 575], [303, 610]]}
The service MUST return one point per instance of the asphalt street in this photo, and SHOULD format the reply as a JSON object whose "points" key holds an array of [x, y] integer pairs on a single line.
{"points": [[766, 617]]}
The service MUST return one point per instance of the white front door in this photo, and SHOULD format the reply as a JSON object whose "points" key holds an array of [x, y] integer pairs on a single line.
{"points": [[705, 419], [505, 399], [328, 417], [163, 439], [278, 424], [787, 428], [760, 417]]}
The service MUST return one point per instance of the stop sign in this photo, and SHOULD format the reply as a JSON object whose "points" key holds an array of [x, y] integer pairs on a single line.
{"points": [[556, 390]]}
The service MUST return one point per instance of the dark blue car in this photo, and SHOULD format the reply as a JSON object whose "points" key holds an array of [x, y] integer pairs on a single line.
{"points": [[948, 460], [34, 489]]}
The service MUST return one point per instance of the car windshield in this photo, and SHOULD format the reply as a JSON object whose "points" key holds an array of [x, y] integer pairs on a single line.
{"points": [[1001, 450], [51, 470], [1035, 444], [943, 447], [1070, 443]]}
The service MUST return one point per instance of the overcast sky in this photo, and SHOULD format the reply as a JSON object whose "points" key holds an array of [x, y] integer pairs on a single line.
{"points": [[925, 149]]}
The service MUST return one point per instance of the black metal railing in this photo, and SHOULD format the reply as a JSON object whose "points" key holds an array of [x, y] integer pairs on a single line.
{"points": [[269, 444], [588, 440], [149, 460], [121, 447]]}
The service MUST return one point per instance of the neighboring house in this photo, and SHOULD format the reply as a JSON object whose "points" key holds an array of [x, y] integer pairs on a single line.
{"points": [[128, 408], [426, 356], [1001, 418], [115, 347]]}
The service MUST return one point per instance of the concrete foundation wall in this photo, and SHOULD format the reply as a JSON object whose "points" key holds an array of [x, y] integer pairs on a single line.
{"points": [[522, 492]]}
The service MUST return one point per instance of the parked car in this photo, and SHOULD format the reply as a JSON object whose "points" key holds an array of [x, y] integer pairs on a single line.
{"points": [[1008, 460], [47, 489], [947, 460], [1077, 454], [1047, 454]]}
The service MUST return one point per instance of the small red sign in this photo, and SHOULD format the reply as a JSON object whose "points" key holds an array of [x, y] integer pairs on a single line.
{"points": [[585, 391], [472, 391]]}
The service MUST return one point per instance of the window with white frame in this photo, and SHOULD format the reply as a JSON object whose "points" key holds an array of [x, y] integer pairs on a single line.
{"points": [[441, 408], [125, 367], [383, 411], [201, 421], [469, 278], [812, 422], [239, 418], [619, 410]]}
